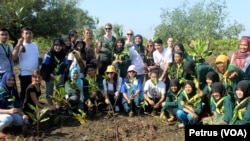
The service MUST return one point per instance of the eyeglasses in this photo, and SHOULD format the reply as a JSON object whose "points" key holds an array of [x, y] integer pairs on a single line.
{"points": [[107, 28], [129, 34], [4, 34], [11, 80], [110, 72]]}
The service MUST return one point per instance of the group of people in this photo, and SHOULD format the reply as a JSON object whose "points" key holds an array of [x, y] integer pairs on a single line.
{"points": [[123, 75]]}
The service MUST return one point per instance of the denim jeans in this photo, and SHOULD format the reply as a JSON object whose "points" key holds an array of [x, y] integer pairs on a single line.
{"points": [[135, 102], [10, 119], [186, 118]]}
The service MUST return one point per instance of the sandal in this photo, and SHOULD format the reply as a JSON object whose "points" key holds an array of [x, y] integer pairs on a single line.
{"points": [[2, 135]]}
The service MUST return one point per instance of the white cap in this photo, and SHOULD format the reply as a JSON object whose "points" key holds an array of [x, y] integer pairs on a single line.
{"points": [[132, 68]]}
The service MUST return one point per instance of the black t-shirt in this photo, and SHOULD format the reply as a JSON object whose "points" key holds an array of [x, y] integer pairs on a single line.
{"points": [[30, 89]]}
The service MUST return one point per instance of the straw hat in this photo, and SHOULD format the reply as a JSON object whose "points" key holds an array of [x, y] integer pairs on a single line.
{"points": [[111, 68]]}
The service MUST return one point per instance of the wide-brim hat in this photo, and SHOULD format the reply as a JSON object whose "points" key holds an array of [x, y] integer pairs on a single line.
{"points": [[111, 68]]}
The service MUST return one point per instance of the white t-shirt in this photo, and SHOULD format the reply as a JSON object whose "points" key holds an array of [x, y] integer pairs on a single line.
{"points": [[110, 87], [155, 90], [28, 60], [136, 60], [166, 56]]}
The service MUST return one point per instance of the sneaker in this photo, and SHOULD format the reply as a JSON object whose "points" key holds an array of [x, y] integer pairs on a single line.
{"points": [[117, 108]]}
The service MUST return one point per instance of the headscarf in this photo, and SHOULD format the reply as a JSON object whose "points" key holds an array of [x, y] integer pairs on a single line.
{"points": [[7, 93], [212, 75], [78, 79], [189, 66], [240, 57], [219, 88], [191, 83], [59, 55], [244, 85], [140, 46], [222, 59]]}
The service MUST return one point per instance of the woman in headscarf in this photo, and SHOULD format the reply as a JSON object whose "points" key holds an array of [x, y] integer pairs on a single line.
{"points": [[53, 67], [206, 93], [74, 90], [10, 113], [229, 74], [241, 58], [221, 106], [241, 112], [121, 58], [171, 103], [190, 105]]}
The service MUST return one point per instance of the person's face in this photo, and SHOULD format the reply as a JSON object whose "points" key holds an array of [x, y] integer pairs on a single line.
{"points": [[75, 75], [158, 47], [177, 48], [4, 36], [11, 82], [153, 76], [119, 44], [36, 79], [138, 40], [74, 37], [87, 34], [91, 72], [243, 46], [67, 42], [131, 74], [216, 95], [79, 46], [209, 82], [239, 93], [170, 42], [221, 67], [188, 89], [150, 47], [57, 47], [108, 29], [177, 58], [27, 35], [174, 88], [130, 34], [110, 75]]}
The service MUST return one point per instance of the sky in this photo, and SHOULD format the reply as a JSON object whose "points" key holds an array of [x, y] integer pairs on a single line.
{"points": [[142, 16]]}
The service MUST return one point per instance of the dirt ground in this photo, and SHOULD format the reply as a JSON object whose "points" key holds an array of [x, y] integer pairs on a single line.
{"points": [[99, 128]]}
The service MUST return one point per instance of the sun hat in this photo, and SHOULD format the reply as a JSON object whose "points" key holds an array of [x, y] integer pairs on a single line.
{"points": [[110, 68], [132, 68]]}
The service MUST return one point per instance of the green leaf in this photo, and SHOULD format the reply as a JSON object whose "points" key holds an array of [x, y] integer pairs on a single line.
{"points": [[45, 119]]}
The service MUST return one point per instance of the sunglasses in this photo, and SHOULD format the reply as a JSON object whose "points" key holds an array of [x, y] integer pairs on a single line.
{"points": [[110, 72], [107, 28], [129, 33], [149, 45]]}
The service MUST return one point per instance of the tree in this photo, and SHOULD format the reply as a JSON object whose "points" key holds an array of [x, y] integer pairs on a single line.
{"points": [[203, 20], [47, 18]]}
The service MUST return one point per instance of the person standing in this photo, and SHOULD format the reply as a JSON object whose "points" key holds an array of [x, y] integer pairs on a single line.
{"points": [[104, 48], [28, 54], [130, 38], [5, 53]]}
